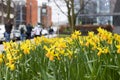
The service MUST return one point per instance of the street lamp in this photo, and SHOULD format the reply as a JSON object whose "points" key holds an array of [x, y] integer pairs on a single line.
{"points": [[21, 12], [47, 14], [58, 23]]}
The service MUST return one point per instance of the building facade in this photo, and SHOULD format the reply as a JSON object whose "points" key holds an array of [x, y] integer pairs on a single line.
{"points": [[46, 15], [100, 12], [32, 12], [115, 8], [20, 12]]}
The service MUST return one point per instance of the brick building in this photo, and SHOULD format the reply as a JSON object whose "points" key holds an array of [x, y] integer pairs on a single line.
{"points": [[32, 12], [46, 15]]}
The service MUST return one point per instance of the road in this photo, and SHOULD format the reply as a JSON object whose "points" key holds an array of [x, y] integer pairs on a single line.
{"points": [[1, 47]]}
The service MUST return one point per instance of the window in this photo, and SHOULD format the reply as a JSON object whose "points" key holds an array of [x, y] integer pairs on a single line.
{"points": [[44, 11], [104, 6]]}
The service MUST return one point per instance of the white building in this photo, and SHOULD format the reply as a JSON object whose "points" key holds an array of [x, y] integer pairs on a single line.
{"points": [[95, 12]]}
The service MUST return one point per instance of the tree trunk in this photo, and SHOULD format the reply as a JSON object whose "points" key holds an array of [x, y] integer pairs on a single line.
{"points": [[69, 17], [82, 6], [8, 9], [2, 10], [72, 15]]}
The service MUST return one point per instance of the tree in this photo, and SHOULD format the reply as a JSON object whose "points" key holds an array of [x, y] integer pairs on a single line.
{"points": [[2, 10], [8, 8], [71, 15], [5, 9]]}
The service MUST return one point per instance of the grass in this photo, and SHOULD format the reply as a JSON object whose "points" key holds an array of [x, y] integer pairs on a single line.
{"points": [[64, 35]]}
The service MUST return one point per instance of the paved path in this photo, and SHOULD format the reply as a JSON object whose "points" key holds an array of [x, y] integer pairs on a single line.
{"points": [[1, 47]]}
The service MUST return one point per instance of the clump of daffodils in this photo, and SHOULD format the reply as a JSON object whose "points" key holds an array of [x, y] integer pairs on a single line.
{"points": [[56, 48]]}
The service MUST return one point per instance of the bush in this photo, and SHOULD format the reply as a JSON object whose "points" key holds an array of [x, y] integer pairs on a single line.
{"points": [[87, 28]]}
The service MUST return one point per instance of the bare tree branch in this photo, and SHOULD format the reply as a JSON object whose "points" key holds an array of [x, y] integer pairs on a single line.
{"points": [[71, 15], [82, 8], [59, 8]]}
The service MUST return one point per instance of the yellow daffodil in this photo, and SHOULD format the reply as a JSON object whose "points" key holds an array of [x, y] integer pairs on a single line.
{"points": [[1, 60], [1, 55], [75, 35], [51, 58], [90, 34], [26, 51], [106, 50], [118, 48], [99, 51], [12, 67]]}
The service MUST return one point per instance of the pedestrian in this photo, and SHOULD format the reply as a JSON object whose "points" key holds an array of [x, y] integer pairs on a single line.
{"points": [[29, 29], [51, 31], [8, 28], [37, 30], [22, 28]]}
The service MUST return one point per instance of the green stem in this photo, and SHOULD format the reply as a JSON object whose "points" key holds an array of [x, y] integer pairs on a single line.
{"points": [[6, 73], [89, 64]]}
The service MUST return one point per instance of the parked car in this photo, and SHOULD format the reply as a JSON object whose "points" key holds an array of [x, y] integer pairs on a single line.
{"points": [[15, 34], [2, 30], [43, 32]]}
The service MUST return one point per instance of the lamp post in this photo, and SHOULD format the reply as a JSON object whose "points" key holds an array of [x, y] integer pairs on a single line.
{"points": [[58, 24], [21, 12], [48, 25], [98, 10]]}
